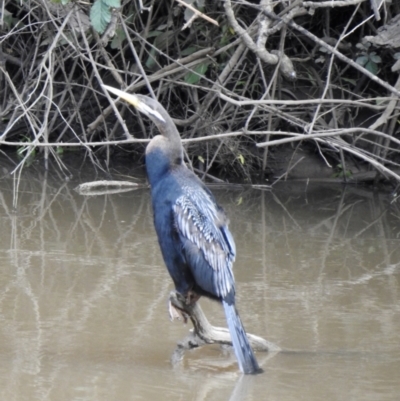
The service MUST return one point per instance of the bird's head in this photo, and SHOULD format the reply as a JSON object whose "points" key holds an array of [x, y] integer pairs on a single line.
{"points": [[169, 143], [144, 104]]}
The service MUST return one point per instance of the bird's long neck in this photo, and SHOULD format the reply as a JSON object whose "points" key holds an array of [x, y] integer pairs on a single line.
{"points": [[165, 150], [169, 131]]}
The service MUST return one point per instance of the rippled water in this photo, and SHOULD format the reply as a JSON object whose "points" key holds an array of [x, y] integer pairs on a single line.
{"points": [[83, 296]]}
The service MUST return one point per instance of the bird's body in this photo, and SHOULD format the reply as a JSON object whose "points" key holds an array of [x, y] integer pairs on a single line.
{"points": [[188, 220], [192, 229]]}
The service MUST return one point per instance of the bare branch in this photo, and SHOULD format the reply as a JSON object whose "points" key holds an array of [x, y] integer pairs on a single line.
{"points": [[197, 13], [209, 334], [259, 51]]}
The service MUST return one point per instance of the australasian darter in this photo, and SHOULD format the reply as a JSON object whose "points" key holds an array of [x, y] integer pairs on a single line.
{"points": [[192, 228]]}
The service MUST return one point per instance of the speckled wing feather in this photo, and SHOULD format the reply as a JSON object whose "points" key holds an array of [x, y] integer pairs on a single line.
{"points": [[208, 244]]}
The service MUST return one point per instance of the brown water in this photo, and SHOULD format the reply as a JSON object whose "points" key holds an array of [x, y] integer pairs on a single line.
{"points": [[83, 295]]}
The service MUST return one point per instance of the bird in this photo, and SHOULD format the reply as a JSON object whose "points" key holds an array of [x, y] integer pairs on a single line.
{"points": [[192, 229]]}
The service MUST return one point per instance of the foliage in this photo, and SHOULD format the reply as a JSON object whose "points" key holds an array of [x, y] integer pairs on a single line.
{"points": [[341, 173], [211, 84], [198, 72], [100, 13], [369, 60]]}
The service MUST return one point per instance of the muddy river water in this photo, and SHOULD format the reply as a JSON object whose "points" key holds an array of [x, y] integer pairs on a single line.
{"points": [[83, 297]]}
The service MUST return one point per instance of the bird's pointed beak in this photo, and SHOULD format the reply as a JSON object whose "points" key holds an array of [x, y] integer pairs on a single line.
{"points": [[136, 102]]}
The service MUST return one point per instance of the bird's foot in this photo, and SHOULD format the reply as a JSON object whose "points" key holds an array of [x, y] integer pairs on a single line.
{"points": [[187, 301], [176, 313]]}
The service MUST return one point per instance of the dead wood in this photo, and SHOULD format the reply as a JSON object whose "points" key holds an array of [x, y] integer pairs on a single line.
{"points": [[204, 333], [266, 71]]}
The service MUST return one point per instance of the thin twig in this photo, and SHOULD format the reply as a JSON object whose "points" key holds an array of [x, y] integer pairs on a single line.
{"points": [[331, 49], [197, 12], [277, 102]]}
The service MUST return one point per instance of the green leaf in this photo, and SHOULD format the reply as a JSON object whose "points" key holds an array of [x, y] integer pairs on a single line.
{"points": [[188, 51], [118, 38], [153, 34], [362, 60], [201, 159], [162, 27], [8, 21], [375, 58], [350, 81], [100, 15], [151, 61], [165, 39], [113, 3], [21, 151], [371, 67], [195, 76], [241, 83]]}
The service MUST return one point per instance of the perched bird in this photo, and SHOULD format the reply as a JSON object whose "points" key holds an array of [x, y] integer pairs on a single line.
{"points": [[192, 228]]}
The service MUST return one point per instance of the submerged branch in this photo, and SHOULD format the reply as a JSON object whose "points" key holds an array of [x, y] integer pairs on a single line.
{"points": [[106, 187], [205, 333]]}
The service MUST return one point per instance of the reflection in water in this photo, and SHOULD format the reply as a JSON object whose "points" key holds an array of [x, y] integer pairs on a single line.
{"points": [[83, 294]]}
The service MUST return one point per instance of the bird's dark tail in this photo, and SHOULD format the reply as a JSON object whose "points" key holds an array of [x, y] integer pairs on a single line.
{"points": [[244, 354]]}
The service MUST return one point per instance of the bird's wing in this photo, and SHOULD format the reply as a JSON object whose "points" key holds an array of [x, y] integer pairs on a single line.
{"points": [[208, 244]]}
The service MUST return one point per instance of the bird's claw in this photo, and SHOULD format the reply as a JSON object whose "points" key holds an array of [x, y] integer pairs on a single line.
{"points": [[176, 313]]}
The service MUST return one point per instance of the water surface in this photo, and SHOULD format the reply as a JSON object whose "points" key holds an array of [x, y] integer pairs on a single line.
{"points": [[83, 297]]}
